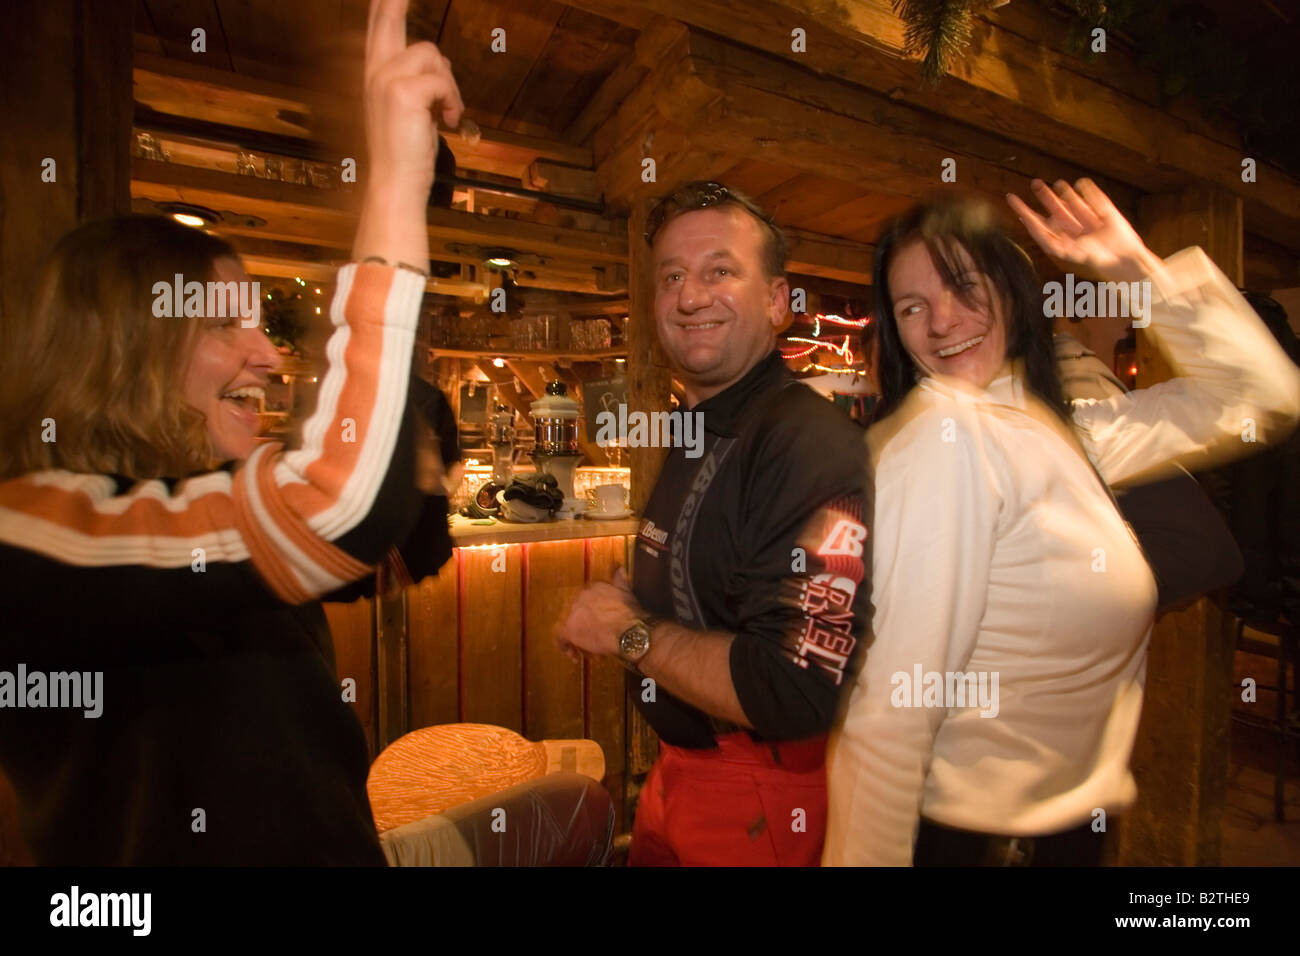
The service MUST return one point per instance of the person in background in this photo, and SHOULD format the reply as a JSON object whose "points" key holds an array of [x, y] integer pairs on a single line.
{"points": [[438, 468], [1001, 567], [749, 601]]}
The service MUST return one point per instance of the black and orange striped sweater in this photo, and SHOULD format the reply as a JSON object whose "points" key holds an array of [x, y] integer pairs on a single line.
{"points": [[189, 609]]}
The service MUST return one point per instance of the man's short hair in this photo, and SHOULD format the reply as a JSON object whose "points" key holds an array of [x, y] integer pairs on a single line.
{"points": [[706, 195]]}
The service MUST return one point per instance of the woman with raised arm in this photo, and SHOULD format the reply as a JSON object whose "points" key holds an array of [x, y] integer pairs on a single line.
{"points": [[167, 686], [995, 712]]}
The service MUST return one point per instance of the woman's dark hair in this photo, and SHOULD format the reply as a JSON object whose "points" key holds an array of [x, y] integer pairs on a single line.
{"points": [[943, 225]]}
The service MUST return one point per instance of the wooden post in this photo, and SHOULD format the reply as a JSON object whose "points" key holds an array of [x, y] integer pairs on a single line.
{"points": [[65, 94], [648, 378], [1180, 758]]}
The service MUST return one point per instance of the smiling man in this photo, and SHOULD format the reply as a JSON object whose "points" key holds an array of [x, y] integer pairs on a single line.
{"points": [[750, 603]]}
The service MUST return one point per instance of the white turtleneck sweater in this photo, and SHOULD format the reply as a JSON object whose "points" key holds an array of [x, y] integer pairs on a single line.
{"points": [[998, 552]]}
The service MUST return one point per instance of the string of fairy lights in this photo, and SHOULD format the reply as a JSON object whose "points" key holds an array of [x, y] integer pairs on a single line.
{"points": [[815, 343]]}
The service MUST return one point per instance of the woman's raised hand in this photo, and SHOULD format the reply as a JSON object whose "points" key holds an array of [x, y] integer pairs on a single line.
{"points": [[408, 89], [1083, 228]]}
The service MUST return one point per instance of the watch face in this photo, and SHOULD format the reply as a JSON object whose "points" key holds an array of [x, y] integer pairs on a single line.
{"points": [[634, 642]]}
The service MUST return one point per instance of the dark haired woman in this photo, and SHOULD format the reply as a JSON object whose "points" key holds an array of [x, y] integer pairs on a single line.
{"points": [[199, 719], [995, 713]]}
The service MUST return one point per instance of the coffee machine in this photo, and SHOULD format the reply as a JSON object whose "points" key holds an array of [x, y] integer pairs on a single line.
{"points": [[555, 451]]}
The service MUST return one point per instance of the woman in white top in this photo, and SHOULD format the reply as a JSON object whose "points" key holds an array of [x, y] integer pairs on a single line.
{"points": [[996, 709]]}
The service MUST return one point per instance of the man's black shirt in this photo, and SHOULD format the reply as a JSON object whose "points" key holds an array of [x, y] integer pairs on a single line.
{"points": [[763, 535]]}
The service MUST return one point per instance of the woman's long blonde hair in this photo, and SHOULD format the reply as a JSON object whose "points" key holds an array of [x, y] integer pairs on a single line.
{"points": [[91, 367]]}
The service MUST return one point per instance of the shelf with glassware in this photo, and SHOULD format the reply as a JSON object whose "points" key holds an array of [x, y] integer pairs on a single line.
{"points": [[536, 355]]}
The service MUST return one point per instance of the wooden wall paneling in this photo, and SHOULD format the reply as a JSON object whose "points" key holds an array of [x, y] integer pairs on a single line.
{"points": [[1211, 219], [1118, 70], [607, 702], [647, 367], [642, 741], [433, 655], [553, 688], [66, 94], [104, 105], [1269, 266], [352, 627], [390, 667], [1180, 757], [606, 691], [491, 650]]}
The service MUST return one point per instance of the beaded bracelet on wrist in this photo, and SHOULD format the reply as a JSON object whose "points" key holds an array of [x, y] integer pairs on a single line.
{"points": [[400, 265]]}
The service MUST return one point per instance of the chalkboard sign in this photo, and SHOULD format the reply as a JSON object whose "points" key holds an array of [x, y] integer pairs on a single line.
{"points": [[604, 395]]}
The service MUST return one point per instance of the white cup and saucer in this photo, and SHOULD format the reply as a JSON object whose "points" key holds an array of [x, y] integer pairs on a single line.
{"points": [[608, 503]]}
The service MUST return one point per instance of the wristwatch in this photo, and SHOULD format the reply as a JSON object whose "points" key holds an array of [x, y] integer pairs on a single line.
{"points": [[634, 643]]}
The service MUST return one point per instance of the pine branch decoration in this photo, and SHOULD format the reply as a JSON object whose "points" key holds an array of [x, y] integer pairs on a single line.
{"points": [[937, 29]]}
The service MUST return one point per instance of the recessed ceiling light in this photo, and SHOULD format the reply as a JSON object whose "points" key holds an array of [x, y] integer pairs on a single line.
{"points": [[189, 214], [499, 259]]}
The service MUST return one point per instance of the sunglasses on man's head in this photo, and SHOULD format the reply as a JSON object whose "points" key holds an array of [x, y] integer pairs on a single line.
{"points": [[700, 196]]}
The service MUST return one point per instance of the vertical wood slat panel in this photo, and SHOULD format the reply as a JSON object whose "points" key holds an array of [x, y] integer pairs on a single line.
{"points": [[352, 626], [491, 650], [553, 691], [433, 652], [391, 683], [606, 697]]}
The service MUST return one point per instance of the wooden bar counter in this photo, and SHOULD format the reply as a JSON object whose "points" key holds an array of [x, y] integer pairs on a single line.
{"points": [[476, 642]]}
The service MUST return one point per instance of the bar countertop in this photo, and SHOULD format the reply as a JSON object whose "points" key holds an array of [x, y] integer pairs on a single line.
{"points": [[464, 532]]}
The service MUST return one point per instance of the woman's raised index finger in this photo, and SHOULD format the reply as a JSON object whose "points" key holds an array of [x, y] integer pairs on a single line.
{"points": [[386, 34]]}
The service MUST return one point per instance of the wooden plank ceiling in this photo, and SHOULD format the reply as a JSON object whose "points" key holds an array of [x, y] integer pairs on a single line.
{"points": [[834, 144]]}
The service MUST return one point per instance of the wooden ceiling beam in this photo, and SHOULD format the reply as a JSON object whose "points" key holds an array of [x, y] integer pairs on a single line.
{"points": [[762, 106], [305, 210], [1015, 87], [677, 162], [189, 90], [652, 46]]}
